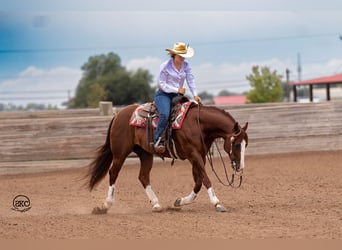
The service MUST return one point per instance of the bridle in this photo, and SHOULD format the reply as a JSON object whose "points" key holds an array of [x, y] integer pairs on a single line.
{"points": [[230, 181]]}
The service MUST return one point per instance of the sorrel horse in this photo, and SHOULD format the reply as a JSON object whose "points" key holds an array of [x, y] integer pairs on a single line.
{"points": [[202, 125]]}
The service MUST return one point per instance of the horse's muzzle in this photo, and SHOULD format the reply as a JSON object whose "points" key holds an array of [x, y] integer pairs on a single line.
{"points": [[235, 166]]}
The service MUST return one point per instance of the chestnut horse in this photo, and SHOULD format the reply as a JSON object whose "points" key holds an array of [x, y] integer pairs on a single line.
{"points": [[201, 126]]}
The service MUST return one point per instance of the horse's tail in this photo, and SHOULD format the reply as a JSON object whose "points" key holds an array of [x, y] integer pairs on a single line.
{"points": [[99, 167]]}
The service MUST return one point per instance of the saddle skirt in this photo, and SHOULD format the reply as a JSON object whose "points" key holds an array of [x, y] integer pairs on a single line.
{"points": [[139, 116]]}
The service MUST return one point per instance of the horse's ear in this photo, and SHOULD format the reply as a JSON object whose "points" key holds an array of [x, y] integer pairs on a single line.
{"points": [[245, 127], [236, 128]]}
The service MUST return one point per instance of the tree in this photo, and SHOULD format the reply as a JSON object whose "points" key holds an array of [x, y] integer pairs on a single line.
{"points": [[226, 93], [205, 95], [105, 79], [97, 92], [266, 86]]}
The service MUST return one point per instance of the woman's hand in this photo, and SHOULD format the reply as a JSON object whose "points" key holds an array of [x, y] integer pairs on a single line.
{"points": [[181, 91], [198, 99]]}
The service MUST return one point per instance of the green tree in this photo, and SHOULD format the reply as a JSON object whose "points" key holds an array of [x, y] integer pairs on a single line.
{"points": [[205, 95], [266, 86], [105, 79], [226, 93], [97, 93]]}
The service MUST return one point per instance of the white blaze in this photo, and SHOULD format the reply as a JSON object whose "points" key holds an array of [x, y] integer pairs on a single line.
{"points": [[242, 155]]}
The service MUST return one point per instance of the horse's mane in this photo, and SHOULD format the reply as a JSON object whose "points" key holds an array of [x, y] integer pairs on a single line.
{"points": [[216, 109]]}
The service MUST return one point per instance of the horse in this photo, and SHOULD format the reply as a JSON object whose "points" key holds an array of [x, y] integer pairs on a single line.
{"points": [[201, 126]]}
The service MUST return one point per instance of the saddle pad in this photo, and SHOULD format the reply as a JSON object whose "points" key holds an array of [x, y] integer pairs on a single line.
{"points": [[138, 121]]}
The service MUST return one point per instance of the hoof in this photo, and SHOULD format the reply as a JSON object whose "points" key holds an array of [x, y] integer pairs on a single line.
{"points": [[220, 208], [174, 208], [157, 208], [178, 202], [99, 210]]}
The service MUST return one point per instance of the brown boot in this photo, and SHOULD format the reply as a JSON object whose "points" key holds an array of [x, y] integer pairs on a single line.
{"points": [[159, 146]]}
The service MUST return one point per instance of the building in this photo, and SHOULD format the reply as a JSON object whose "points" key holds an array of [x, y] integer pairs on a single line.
{"points": [[229, 100], [326, 81]]}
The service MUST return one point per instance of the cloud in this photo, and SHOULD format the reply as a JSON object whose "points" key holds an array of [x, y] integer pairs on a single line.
{"points": [[213, 78], [178, 5], [47, 86], [54, 86], [148, 63]]}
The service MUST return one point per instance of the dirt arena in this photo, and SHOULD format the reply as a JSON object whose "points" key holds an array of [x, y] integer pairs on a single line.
{"points": [[290, 196]]}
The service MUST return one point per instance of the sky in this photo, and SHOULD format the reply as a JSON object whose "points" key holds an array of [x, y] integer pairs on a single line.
{"points": [[43, 44]]}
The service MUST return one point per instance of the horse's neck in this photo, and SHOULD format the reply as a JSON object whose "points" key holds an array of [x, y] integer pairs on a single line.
{"points": [[216, 122]]}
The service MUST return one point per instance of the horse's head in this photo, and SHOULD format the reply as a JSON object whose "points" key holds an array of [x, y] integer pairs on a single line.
{"points": [[235, 145]]}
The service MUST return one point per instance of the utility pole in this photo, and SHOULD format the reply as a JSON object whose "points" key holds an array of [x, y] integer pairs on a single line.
{"points": [[287, 85], [299, 68]]}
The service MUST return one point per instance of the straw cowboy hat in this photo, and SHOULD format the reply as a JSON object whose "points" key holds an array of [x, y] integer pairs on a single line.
{"points": [[181, 49]]}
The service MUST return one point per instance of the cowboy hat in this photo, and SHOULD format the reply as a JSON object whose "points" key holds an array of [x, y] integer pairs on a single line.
{"points": [[181, 49]]}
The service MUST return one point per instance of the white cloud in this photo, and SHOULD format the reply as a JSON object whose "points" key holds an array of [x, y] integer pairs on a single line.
{"points": [[105, 5], [149, 63], [47, 86], [52, 86], [213, 78]]}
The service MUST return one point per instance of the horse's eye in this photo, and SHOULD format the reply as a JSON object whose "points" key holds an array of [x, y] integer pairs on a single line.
{"points": [[237, 146]]}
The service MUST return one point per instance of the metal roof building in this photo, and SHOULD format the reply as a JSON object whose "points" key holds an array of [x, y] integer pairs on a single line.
{"points": [[327, 81]]}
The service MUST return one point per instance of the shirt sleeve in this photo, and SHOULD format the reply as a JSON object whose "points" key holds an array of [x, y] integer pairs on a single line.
{"points": [[190, 79]]}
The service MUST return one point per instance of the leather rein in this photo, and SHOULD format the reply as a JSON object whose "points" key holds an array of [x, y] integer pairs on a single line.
{"points": [[230, 181]]}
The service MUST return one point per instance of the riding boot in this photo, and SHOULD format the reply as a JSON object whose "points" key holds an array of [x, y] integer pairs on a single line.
{"points": [[159, 146]]}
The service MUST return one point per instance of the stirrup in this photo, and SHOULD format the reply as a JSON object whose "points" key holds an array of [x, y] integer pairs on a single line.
{"points": [[159, 148]]}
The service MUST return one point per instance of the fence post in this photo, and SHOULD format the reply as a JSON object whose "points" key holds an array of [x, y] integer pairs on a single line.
{"points": [[106, 108]]}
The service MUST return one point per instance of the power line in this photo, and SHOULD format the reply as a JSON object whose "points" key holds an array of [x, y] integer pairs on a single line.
{"points": [[17, 51], [54, 50], [18, 92], [34, 98], [270, 38]]}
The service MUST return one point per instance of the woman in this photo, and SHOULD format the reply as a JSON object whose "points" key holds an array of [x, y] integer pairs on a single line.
{"points": [[170, 82]]}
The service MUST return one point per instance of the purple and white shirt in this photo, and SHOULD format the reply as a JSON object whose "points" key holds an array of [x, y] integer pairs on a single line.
{"points": [[170, 79]]}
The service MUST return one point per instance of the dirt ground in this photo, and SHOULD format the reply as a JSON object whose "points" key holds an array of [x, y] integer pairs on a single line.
{"points": [[290, 196]]}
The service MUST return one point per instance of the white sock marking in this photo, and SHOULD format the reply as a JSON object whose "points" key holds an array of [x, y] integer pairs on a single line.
{"points": [[151, 195], [213, 199], [188, 199], [110, 197]]}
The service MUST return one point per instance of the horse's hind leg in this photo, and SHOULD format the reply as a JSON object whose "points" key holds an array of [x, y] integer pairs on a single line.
{"points": [[113, 174], [146, 161]]}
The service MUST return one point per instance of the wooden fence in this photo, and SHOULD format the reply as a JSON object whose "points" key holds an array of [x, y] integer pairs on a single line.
{"points": [[75, 134]]}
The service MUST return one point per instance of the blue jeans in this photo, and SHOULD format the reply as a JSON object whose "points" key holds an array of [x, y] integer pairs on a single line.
{"points": [[162, 101]]}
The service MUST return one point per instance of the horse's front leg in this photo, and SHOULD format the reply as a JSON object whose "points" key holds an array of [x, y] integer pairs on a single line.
{"points": [[212, 196], [200, 176]]}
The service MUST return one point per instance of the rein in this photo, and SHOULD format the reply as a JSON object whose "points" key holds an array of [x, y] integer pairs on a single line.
{"points": [[230, 181]]}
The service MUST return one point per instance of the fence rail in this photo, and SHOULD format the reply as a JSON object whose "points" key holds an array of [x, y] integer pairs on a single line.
{"points": [[75, 134]]}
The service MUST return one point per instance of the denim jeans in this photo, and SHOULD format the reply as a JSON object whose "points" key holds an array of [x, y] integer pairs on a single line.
{"points": [[162, 101]]}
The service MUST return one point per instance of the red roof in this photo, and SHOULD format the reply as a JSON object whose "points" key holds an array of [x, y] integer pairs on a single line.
{"points": [[321, 80], [234, 99]]}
